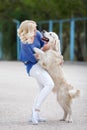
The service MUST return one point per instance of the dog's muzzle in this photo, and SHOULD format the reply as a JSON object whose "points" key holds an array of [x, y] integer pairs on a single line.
{"points": [[44, 38]]}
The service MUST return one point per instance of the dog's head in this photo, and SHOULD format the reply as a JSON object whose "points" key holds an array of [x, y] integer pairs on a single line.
{"points": [[53, 39]]}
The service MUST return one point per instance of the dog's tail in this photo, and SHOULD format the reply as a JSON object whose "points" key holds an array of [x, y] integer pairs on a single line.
{"points": [[74, 93]]}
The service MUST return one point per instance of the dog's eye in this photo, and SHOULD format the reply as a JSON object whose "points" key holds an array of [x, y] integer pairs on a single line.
{"points": [[50, 34]]}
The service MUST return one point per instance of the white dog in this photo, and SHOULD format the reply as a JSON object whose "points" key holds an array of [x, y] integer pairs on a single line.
{"points": [[50, 60]]}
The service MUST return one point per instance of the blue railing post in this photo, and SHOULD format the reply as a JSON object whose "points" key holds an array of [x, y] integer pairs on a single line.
{"points": [[60, 31], [50, 25], [18, 41], [1, 42], [72, 33]]}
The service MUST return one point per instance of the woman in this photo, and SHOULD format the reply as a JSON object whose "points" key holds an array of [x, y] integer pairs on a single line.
{"points": [[30, 37]]}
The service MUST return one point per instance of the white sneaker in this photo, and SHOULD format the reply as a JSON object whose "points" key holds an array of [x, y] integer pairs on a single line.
{"points": [[34, 121], [35, 117], [40, 119]]}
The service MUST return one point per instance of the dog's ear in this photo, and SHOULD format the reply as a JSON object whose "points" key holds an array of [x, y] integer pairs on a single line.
{"points": [[57, 46]]}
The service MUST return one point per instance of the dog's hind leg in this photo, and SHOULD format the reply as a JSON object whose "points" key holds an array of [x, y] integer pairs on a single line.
{"points": [[67, 113], [63, 106], [69, 120], [64, 116]]}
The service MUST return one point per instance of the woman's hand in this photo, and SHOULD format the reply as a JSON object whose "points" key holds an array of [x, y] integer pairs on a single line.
{"points": [[45, 47]]}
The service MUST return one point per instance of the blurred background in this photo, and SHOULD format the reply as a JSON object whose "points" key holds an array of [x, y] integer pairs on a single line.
{"points": [[68, 18]]}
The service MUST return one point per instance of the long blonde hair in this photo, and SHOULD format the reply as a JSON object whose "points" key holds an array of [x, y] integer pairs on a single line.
{"points": [[26, 30]]}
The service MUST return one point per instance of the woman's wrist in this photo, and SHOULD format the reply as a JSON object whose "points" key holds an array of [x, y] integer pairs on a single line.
{"points": [[45, 47]]}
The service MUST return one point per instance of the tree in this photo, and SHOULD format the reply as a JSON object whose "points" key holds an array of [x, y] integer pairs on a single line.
{"points": [[37, 10]]}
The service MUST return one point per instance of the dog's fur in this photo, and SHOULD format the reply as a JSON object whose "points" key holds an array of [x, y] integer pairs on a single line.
{"points": [[50, 60]]}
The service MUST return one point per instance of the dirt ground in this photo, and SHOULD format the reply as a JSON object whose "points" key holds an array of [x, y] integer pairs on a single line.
{"points": [[17, 93]]}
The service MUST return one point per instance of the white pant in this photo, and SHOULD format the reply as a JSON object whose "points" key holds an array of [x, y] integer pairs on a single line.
{"points": [[44, 81]]}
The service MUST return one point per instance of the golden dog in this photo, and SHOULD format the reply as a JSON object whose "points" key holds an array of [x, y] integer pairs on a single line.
{"points": [[50, 60]]}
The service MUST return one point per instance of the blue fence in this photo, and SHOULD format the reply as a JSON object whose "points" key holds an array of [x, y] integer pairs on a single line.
{"points": [[50, 26], [17, 38]]}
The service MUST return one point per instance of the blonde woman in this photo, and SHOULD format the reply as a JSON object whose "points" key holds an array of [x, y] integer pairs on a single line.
{"points": [[30, 37]]}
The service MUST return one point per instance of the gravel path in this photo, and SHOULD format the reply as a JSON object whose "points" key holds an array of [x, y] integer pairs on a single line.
{"points": [[17, 92]]}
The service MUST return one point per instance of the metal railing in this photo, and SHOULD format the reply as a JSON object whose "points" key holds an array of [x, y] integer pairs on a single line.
{"points": [[50, 28], [72, 31]]}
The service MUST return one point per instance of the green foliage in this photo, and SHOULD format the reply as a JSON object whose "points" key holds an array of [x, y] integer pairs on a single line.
{"points": [[9, 39], [37, 10]]}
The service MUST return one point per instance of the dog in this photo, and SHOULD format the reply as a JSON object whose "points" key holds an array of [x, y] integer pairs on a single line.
{"points": [[50, 60]]}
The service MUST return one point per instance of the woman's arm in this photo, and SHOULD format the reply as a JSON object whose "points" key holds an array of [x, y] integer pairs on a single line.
{"points": [[45, 47]]}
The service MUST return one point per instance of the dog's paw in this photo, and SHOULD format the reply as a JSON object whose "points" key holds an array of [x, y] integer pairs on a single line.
{"points": [[69, 121], [38, 51]]}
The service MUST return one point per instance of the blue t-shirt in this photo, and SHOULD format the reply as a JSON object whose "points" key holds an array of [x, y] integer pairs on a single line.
{"points": [[27, 52]]}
